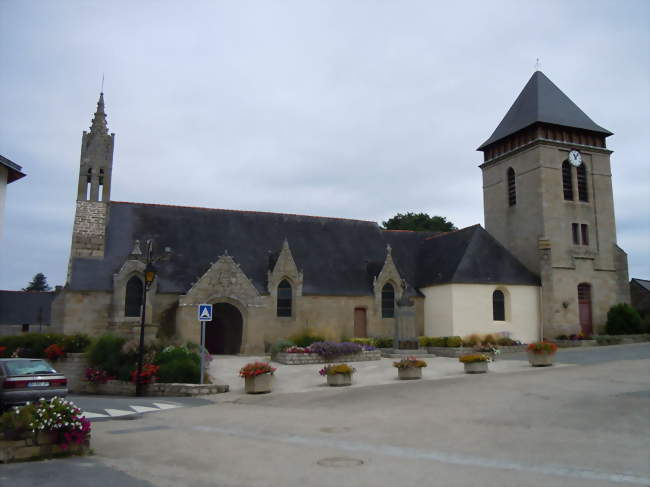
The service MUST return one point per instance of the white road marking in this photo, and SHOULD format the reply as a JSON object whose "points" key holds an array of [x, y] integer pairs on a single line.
{"points": [[93, 415], [144, 409], [163, 405], [439, 456], [118, 412]]}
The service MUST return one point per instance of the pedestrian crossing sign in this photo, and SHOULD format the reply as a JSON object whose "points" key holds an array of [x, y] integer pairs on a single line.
{"points": [[205, 312]]}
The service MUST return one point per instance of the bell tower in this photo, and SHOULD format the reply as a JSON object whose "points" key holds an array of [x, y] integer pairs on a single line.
{"points": [[93, 189], [547, 195]]}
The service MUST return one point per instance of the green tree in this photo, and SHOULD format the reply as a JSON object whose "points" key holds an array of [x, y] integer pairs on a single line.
{"points": [[419, 222], [39, 283]]}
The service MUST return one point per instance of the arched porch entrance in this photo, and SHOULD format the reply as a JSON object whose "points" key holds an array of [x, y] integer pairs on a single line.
{"points": [[223, 335]]}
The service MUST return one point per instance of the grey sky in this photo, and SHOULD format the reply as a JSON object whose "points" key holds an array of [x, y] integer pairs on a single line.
{"points": [[335, 108]]}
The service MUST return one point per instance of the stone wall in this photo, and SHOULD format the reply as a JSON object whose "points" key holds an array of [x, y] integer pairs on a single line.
{"points": [[73, 366], [35, 446], [121, 388], [458, 351], [314, 358]]}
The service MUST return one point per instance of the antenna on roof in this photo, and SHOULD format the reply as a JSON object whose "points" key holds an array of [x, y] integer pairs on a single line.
{"points": [[102, 90], [538, 65]]}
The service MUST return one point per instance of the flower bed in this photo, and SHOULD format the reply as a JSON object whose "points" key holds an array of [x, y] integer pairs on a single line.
{"points": [[314, 358]]}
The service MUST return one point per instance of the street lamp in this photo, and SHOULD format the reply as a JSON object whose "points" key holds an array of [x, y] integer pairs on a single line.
{"points": [[149, 276]]}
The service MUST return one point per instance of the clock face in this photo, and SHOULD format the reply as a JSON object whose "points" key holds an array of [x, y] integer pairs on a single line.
{"points": [[575, 158]]}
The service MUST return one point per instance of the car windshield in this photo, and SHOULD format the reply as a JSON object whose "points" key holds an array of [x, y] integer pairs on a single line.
{"points": [[28, 367]]}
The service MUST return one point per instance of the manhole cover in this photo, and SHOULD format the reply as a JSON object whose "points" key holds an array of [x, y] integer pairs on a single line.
{"points": [[340, 462], [335, 429]]}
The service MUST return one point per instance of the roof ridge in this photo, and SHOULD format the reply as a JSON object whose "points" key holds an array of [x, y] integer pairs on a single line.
{"points": [[21, 291], [444, 234], [244, 211]]}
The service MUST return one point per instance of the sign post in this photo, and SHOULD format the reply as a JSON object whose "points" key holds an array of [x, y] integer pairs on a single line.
{"points": [[205, 314]]}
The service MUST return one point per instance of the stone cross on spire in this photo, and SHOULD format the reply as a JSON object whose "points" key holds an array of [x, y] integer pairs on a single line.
{"points": [[99, 125]]}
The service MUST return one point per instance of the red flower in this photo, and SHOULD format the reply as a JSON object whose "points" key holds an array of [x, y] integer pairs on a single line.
{"points": [[54, 351]]}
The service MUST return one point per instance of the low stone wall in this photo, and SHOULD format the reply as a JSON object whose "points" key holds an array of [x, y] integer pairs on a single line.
{"points": [[458, 351], [37, 445], [73, 366], [314, 358], [574, 343], [121, 388]]}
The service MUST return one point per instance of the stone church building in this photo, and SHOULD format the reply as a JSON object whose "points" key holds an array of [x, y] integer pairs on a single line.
{"points": [[546, 263]]}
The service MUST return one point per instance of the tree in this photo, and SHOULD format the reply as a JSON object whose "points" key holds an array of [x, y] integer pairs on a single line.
{"points": [[39, 283], [419, 222]]}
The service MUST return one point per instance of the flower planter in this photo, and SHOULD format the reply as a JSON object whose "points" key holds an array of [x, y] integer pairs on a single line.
{"points": [[542, 359], [476, 367], [409, 373], [258, 384], [339, 380]]}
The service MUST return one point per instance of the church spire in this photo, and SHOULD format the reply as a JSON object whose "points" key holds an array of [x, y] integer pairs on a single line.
{"points": [[99, 125]]}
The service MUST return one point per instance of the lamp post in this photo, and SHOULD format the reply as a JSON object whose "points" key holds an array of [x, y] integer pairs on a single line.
{"points": [[149, 276]]}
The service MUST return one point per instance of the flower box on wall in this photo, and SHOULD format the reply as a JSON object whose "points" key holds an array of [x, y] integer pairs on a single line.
{"points": [[258, 384]]}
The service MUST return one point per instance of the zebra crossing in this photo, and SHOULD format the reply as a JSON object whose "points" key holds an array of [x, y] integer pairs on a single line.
{"points": [[133, 409]]}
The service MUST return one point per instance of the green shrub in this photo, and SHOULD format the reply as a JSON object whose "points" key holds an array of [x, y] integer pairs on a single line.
{"points": [[382, 342], [423, 341], [608, 340], [623, 319], [32, 344], [362, 341], [106, 354], [306, 338], [453, 341], [280, 346], [180, 369], [75, 343], [172, 354], [436, 342], [645, 324]]}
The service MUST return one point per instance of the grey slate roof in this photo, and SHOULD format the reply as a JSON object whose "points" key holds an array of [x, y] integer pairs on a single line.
{"points": [[15, 171], [21, 307], [542, 101], [337, 256], [643, 283]]}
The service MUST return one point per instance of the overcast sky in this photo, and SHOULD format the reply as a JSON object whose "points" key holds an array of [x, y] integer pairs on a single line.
{"points": [[357, 109]]}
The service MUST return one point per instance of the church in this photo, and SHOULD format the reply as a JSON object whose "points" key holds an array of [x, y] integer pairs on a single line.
{"points": [[545, 264]]}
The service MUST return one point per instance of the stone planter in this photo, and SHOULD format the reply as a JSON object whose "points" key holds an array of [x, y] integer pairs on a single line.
{"points": [[337, 380], [542, 359], [476, 367], [409, 373], [258, 384]]}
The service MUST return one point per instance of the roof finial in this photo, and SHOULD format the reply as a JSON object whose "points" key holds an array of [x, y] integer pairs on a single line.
{"points": [[102, 90], [538, 65], [99, 124]]}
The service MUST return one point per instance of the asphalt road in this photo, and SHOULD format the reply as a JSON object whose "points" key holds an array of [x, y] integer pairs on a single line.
{"points": [[583, 425]]}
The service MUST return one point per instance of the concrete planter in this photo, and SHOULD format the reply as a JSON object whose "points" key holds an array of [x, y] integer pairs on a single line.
{"points": [[409, 373], [337, 380], [542, 359], [476, 367], [258, 384]]}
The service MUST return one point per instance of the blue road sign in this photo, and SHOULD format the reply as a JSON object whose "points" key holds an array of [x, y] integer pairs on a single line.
{"points": [[205, 312]]}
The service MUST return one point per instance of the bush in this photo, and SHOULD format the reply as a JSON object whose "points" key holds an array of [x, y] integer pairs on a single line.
{"points": [[184, 370], [436, 342], [382, 342], [623, 319], [489, 340], [472, 340], [32, 344], [306, 338], [332, 349], [106, 354], [507, 342], [75, 343], [362, 341], [645, 324], [453, 341], [280, 346]]}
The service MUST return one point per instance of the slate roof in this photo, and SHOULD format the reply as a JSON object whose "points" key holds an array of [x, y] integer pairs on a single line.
{"points": [[542, 101], [338, 257], [643, 283], [14, 170], [21, 307]]}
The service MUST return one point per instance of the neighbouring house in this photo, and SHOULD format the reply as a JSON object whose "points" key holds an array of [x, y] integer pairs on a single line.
{"points": [[546, 263], [640, 296], [9, 172], [25, 312]]}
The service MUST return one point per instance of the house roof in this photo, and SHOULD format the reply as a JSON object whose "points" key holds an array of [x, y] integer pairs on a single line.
{"points": [[21, 307], [542, 101], [14, 170], [337, 256], [643, 283]]}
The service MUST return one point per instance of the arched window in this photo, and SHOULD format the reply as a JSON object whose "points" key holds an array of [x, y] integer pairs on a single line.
{"points": [[512, 188], [567, 181], [133, 301], [498, 306], [583, 194], [388, 301], [284, 298]]}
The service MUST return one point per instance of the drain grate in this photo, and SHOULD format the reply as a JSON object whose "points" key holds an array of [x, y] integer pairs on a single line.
{"points": [[340, 462]]}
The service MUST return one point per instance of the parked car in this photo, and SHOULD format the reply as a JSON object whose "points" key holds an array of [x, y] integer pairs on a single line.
{"points": [[25, 380]]}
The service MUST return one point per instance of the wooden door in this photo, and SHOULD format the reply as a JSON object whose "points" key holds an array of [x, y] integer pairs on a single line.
{"points": [[584, 309], [360, 327]]}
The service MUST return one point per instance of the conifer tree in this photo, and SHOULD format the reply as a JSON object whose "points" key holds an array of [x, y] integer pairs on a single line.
{"points": [[38, 283]]}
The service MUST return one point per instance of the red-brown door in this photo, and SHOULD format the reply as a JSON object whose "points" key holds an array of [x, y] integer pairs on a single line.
{"points": [[584, 309], [360, 327]]}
